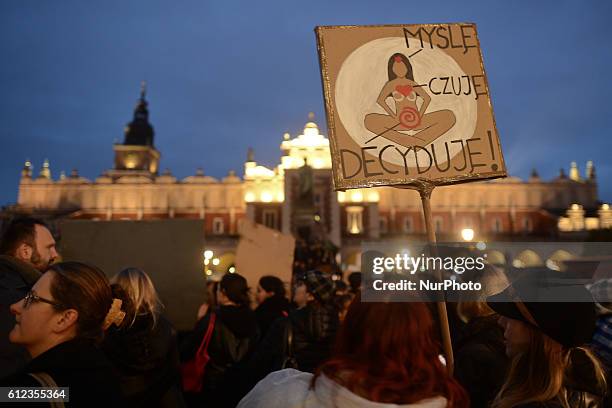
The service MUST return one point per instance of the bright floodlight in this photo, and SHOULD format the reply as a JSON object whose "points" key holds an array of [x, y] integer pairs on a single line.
{"points": [[467, 234], [232, 269], [216, 261], [208, 254]]}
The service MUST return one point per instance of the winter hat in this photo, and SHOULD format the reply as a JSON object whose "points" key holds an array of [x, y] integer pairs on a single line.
{"points": [[570, 322], [319, 285]]}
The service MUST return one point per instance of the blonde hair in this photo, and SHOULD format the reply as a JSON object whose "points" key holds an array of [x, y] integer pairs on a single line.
{"points": [[537, 373], [493, 280], [139, 288]]}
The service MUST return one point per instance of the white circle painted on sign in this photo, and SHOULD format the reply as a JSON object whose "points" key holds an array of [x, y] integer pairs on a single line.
{"points": [[364, 73]]}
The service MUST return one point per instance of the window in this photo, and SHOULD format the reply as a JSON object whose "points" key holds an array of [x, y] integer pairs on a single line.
{"points": [[383, 225], [354, 220], [497, 226], [468, 222], [270, 219], [527, 224], [408, 227], [438, 224], [218, 226]]}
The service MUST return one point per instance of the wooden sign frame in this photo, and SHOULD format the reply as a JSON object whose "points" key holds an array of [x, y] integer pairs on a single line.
{"points": [[354, 68]]}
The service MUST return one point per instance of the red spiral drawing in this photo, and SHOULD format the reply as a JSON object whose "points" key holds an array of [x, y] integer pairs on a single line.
{"points": [[409, 118]]}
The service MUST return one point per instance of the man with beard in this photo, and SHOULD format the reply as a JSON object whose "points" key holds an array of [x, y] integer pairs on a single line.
{"points": [[27, 248]]}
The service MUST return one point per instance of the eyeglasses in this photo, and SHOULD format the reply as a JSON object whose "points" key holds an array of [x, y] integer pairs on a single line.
{"points": [[32, 297]]}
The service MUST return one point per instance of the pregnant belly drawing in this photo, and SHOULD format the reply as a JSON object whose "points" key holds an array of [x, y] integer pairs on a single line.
{"points": [[409, 118]]}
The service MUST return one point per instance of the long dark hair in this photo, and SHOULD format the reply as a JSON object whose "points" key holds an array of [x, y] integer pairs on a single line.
{"points": [[85, 288], [272, 284], [539, 373], [235, 288], [404, 59]]}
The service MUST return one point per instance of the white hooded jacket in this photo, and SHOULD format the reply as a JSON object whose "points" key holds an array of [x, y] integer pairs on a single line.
{"points": [[290, 388]]}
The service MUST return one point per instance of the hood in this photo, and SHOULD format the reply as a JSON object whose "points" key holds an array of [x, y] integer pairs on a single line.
{"points": [[240, 320], [330, 394], [17, 273], [291, 388]]}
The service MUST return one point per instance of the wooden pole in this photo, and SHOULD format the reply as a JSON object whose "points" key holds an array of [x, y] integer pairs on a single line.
{"points": [[425, 192]]}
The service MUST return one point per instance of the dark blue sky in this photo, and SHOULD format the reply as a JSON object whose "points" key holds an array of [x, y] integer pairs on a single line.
{"points": [[225, 75]]}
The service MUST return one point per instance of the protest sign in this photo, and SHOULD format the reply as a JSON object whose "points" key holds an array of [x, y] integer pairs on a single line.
{"points": [[407, 104], [263, 251]]}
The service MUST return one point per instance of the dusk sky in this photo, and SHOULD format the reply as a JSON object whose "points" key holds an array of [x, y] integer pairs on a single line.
{"points": [[226, 75]]}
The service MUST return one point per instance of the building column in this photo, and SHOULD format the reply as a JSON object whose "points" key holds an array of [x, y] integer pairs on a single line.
{"points": [[374, 221]]}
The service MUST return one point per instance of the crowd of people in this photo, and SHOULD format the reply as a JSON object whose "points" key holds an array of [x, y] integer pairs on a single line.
{"points": [[66, 324]]}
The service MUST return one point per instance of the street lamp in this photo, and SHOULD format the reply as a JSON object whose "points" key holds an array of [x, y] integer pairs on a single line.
{"points": [[467, 234], [215, 261], [208, 257]]}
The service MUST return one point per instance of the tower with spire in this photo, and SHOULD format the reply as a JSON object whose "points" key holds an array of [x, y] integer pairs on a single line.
{"points": [[137, 154]]}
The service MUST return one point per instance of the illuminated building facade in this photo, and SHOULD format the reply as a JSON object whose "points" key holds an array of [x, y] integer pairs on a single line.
{"points": [[501, 209]]}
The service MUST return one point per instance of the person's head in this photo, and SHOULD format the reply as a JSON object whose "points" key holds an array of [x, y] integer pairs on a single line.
{"points": [[139, 288], [70, 300], [473, 304], [399, 66], [540, 339], [233, 290], [301, 297], [340, 287], [385, 352], [269, 286], [354, 280], [525, 303], [319, 286], [539, 365], [29, 240]]}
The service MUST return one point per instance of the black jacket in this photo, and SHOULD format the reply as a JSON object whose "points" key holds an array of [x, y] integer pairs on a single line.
{"points": [[16, 279], [79, 365], [146, 357], [234, 338], [314, 329], [271, 309], [480, 360]]}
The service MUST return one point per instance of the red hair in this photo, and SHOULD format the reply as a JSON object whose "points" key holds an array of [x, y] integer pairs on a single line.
{"points": [[385, 352]]}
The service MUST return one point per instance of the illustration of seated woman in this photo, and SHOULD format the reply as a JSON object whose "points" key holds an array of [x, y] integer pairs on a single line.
{"points": [[408, 115]]}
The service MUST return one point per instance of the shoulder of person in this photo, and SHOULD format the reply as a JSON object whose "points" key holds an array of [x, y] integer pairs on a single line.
{"points": [[283, 388], [21, 379], [16, 272]]}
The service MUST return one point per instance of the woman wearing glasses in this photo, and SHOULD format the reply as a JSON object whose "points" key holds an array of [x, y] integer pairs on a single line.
{"points": [[60, 322]]}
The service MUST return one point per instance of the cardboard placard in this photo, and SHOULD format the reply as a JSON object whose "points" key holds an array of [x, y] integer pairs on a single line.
{"points": [[263, 251], [407, 105]]}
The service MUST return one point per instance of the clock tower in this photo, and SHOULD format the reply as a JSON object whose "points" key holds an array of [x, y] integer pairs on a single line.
{"points": [[137, 155]]}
